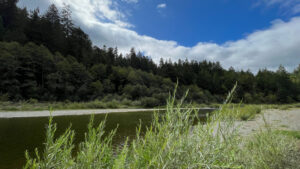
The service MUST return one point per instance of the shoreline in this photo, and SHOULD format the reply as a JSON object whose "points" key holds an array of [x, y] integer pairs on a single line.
{"points": [[273, 118], [46, 113]]}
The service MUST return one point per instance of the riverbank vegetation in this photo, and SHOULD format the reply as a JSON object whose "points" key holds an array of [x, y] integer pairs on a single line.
{"points": [[33, 105], [46, 57], [171, 142], [247, 111], [242, 112], [294, 134]]}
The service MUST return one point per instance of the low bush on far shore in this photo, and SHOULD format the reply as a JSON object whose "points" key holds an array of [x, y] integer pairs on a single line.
{"points": [[248, 112], [34, 105], [67, 105]]}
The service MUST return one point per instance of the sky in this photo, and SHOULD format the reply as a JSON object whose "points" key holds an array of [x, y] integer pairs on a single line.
{"points": [[243, 34]]}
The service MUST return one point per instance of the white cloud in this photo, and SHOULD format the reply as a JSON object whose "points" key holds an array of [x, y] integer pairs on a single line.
{"points": [[287, 6], [130, 1], [87, 11], [160, 6], [267, 48]]}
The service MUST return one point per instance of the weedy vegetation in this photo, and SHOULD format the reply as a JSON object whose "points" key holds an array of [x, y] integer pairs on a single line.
{"points": [[32, 105], [172, 141], [294, 134]]}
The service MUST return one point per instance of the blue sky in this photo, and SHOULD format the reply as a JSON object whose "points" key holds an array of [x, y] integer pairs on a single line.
{"points": [[188, 21], [245, 34]]}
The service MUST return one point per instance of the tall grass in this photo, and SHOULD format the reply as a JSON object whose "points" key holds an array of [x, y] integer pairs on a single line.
{"points": [[243, 112], [170, 142]]}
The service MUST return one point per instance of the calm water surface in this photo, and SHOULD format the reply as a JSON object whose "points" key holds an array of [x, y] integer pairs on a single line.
{"points": [[20, 134]]}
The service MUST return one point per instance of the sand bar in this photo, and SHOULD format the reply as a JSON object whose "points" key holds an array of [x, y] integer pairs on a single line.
{"points": [[46, 113]]}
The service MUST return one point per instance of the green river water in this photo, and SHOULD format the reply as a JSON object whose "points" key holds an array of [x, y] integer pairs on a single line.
{"points": [[20, 134]]}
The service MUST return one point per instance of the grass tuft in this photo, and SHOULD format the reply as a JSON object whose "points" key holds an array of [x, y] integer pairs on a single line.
{"points": [[293, 134]]}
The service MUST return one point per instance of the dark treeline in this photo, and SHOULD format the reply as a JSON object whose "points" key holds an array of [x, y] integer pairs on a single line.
{"points": [[46, 57]]}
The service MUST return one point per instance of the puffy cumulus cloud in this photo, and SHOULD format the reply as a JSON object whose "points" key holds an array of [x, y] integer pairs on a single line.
{"points": [[288, 6], [279, 44], [262, 49]]}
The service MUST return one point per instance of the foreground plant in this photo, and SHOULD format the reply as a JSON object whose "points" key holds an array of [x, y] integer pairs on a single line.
{"points": [[172, 141]]}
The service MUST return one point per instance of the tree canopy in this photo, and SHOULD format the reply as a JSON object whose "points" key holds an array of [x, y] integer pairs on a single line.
{"points": [[47, 57]]}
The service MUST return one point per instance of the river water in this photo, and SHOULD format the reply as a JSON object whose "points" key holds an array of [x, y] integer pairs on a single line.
{"points": [[20, 134]]}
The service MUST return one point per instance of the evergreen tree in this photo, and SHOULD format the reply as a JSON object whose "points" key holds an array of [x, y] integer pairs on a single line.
{"points": [[44, 56], [2, 30], [66, 20]]}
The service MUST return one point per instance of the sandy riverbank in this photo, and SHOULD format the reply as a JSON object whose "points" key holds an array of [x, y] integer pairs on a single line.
{"points": [[46, 113]]}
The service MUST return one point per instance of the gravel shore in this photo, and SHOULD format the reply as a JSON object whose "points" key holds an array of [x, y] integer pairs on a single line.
{"points": [[276, 119]]}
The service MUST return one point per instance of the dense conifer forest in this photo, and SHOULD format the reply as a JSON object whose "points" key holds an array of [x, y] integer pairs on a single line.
{"points": [[45, 56]]}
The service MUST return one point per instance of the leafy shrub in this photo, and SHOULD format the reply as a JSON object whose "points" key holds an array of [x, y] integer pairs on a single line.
{"points": [[149, 102], [248, 98], [248, 112], [170, 142], [4, 97], [126, 102], [267, 149], [96, 104], [271, 98], [112, 104], [32, 101]]}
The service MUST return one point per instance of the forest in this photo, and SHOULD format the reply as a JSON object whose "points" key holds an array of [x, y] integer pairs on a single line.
{"points": [[45, 56]]}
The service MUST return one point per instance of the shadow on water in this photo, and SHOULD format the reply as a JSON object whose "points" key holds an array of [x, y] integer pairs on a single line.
{"points": [[20, 134]]}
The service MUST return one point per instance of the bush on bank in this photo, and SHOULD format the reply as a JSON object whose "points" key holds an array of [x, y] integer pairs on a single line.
{"points": [[170, 142]]}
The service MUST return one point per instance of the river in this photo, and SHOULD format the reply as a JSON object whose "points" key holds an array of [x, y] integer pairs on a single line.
{"points": [[20, 134]]}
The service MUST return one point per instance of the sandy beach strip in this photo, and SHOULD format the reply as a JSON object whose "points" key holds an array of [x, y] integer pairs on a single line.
{"points": [[46, 113]]}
